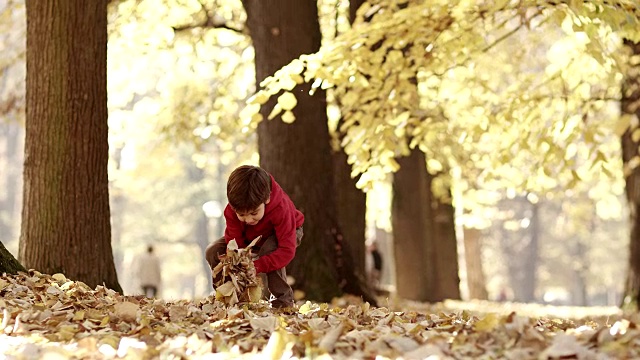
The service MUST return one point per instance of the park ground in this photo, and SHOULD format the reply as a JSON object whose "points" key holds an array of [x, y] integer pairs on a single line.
{"points": [[51, 317]]}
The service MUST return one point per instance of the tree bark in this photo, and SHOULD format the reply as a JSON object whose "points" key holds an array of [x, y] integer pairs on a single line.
{"points": [[411, 220], [65, 217], [351, 205], [520, 249], [8, 263], [201, 223], [424, 239], [299, 155], [530, 257], [475, 273], [446, 248], [351, 201], [630, 105]]}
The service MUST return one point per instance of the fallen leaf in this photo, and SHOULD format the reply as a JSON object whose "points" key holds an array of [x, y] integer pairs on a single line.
{"points": [[126, 311]]}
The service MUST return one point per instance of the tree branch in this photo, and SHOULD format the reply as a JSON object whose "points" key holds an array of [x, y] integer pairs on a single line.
{"points": [[209, 22]]}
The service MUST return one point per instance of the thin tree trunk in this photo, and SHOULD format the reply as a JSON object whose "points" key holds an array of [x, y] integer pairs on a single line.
{"points": [[475, 272], [446, 247], [299, 155], [201, 223], [412, 225], [630, 105], [520, 249], [580, 294], [530, 256], [65, 217]]}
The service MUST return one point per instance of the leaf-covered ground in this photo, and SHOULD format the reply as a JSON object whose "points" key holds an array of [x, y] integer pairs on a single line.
{"points": [[55, 318]]}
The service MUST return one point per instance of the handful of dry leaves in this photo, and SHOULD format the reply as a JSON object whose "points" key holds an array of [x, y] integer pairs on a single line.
{"points": [[239, 281]]}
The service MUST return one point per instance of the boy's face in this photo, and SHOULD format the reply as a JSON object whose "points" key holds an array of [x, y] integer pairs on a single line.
{"points": [[252, 217]]}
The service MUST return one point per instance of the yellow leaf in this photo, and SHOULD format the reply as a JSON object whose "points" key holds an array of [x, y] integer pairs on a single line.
{"points": [[305, 308], [391, 163], [488, 323], [256, 117], [622, 124], [287, 101], [297, 78], [79, 315], [276, 345], [260, 97], [403, 117], [66, 332], [288, 117], [255, 293], [287, 83], [434, 165], [276, 110], [225, 289], [635, 135], [126, 311]]}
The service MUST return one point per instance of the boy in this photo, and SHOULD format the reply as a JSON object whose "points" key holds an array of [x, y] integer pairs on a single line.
{"points": [[259, 207]]}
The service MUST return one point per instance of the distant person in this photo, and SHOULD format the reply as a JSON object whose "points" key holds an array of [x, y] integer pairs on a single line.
{"points": [[259, 207], [376, 270], [502, 296], [148, 271]]}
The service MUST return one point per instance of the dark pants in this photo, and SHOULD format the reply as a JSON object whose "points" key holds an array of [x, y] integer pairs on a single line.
{"points": [[149, 290], [275, 281]]}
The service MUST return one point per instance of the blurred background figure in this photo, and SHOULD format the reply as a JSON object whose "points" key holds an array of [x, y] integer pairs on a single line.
{"points": [[375, 270], [148, 272]]}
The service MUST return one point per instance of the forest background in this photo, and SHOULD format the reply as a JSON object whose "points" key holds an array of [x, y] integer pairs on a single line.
{"points": [[176, 93]]}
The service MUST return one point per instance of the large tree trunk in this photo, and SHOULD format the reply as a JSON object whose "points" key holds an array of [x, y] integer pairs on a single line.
{"points": [[630, 105], [423, 235], [351, 202], [351, 205], [8, 263], [299, 155], [65, 217], [411, 220]]}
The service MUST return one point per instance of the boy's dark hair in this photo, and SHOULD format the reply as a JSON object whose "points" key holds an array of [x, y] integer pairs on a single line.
{"points": [[248, 187]]}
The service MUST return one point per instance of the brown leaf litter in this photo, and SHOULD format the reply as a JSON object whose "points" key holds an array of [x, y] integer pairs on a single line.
{"points": [[55, 318]]}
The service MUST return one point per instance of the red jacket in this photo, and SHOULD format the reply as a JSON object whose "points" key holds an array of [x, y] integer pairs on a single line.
{"points": [[280, 218]]}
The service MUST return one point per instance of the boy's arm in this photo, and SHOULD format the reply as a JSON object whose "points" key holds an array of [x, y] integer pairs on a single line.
{"points": [[285, 227], [234, 228]]}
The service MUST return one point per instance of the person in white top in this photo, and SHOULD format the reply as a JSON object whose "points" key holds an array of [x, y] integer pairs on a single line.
{"points": [[148, 271]]}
